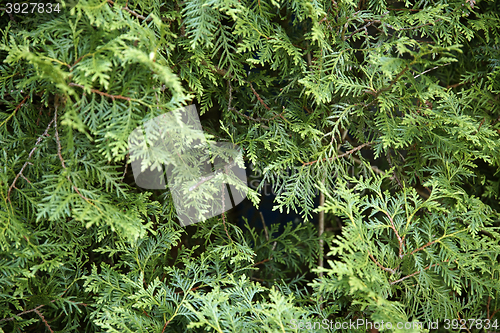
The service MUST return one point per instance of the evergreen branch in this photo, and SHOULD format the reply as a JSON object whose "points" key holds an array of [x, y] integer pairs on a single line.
{"points": [[339, 156], [392, 271], [23, 313], [36, 309], [45, 134], [15, 110], [434, 242], [139, 16], [62, 159], [113, 97]]}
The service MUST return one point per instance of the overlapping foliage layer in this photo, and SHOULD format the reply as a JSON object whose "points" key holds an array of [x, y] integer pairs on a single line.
{"points": [[391, 109]]}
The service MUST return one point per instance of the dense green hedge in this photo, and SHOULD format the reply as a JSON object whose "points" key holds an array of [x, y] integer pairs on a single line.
{"points": [[390, 109]]}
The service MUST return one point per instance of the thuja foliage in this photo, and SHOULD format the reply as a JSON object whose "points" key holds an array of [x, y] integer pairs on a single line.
{"points": [[389, 109]]}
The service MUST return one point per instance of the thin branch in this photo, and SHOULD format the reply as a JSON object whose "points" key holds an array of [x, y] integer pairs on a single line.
{"points": [[340, 156], [261, 262], [400, 240], [431, 69], [45, 134], [488, 309], [460, 319], [408, 9], [223, 210], [258, 97], [214, 174], [165, 326], [379, 265], [420, 26], [113, 97], [423, 247], [139, 16], [44, 320], [231, 108], [15, 110], [192, 289], [374, 168], [413, 274], [266, 233], [389, 160], [126, 167], [362, 28], [321, 230], [23, 313], [36, 310]]}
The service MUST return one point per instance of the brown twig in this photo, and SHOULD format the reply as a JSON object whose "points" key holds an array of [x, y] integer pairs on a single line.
{"points": [[258, 97], [23, 313], [431, 69], [139, 16], [408, 9], [15, 110], [379, 265], [389, 160], [340, 156], [266, 233], [261, 262], [44, 320], [126, 166], [321, 230], [460, 319], [494, 313], [223, 210], [165, 326], [45, 134], [192, 289], [231, 108], [420, 26], [455, 85], [362, 28], [422, 247], [113, 97], [488, 309], [400, 240], [412, 274]]}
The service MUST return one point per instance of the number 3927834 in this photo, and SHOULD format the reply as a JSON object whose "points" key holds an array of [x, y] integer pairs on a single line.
{"points": [[32, 8]]}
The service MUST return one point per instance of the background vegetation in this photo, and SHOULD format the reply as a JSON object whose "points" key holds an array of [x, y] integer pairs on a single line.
{"points": [[389, 109]]}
